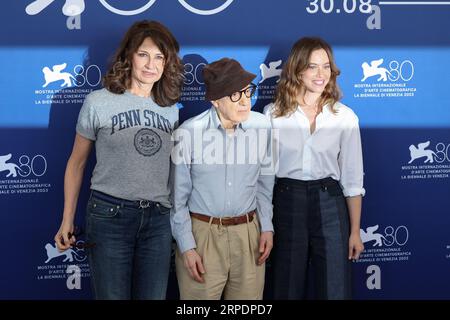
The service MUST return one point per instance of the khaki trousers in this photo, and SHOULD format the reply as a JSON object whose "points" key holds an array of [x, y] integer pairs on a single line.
{"points": [[229, 255]]}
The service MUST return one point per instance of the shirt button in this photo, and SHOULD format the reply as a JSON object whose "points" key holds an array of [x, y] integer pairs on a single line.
{"points": [[229, 183]]}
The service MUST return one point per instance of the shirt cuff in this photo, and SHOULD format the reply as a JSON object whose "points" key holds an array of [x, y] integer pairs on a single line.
{"points": [[85, 134], [352, 192], [186, 242], [266, 224]]}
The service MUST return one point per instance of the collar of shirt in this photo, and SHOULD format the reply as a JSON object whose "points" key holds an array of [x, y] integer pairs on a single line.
{"points": [[214, 121], [325, 111], [321, 117]]}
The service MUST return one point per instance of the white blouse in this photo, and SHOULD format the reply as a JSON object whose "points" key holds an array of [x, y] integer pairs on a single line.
{"points": [[332, 150]]}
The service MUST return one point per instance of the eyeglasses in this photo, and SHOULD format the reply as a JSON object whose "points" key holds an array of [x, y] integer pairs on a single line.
{"points": [[79, 245], [249, 92]]}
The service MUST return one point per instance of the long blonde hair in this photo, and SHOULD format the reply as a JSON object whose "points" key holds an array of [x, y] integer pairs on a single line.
{"points": [[291, 85]]}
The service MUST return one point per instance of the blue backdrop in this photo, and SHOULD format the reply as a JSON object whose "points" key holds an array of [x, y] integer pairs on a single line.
{"points": [[395, 75]]}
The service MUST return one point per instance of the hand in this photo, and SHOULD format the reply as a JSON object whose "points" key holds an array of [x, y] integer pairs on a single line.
{"points": [[62, 240], [265, 246], [355, 246], [193, 263]]}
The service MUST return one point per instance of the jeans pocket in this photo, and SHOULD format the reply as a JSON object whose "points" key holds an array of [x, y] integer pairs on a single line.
{"points": [[163, 210], [279, 188], [102, 209], [335, 190]]}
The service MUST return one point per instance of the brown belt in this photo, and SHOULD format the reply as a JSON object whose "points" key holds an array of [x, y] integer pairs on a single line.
{"points": [[231, 221]]}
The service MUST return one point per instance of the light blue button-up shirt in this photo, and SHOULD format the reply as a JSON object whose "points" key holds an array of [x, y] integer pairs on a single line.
{"points": [[220, 174]]}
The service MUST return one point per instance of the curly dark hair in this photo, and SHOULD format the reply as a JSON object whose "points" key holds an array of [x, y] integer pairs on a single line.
{"points": [[165, 91], [291, 85]]}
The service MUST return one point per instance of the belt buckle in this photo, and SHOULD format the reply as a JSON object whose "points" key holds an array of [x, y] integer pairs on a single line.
{"points": [[144, 204], [226, 221], [231, 221]]}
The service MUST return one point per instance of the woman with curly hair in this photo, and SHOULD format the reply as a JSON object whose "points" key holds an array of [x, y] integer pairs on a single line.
{"points": [[319, 185], [130, 121]]}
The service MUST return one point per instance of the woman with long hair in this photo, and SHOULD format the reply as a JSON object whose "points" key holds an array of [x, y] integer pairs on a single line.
{"points": [[130, 121], [319, 184]]}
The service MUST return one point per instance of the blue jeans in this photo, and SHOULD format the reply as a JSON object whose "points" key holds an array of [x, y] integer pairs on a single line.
{"points": [[131, 256]]}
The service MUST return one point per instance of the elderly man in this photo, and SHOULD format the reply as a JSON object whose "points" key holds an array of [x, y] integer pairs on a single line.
{"points": [[223, 178]]}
